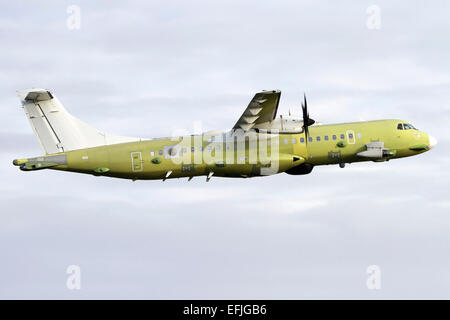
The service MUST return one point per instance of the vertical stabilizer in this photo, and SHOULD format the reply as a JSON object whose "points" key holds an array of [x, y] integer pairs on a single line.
{"points": [[57, 130]]}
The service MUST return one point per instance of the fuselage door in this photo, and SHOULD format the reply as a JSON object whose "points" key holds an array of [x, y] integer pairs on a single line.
{"points": [[136, 161]]}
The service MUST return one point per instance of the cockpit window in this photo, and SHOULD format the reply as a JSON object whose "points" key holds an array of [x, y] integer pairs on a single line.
{"points": [[399, 126], [408, 126]]}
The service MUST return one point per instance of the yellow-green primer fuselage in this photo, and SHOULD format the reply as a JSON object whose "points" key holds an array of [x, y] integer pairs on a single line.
{"points": [[327, 144]]}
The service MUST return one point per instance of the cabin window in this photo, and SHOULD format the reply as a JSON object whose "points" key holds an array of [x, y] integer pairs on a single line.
{"points": [[342, 136], [285, 141], [334, 137], [350, 136], [152, 153], [325, 138], [218, 148], [209, 148], [201, 149], [294, 141], [399, 126], [302, 140], [318, 139], [160, 152], [192, 149], [310, 139], [359, 135]]}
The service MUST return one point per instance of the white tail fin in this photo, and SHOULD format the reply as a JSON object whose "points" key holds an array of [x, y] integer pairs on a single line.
{"points": [[57, 130]]}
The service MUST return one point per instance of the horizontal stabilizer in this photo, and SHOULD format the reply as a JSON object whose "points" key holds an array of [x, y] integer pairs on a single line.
{"points": [[38, 95], [39, 163]]}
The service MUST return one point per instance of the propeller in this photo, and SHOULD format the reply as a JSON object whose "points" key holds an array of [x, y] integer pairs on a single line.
{"points": [[307, 121]]}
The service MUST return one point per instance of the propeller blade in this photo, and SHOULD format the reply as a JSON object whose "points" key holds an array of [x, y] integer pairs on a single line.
{"points": [[306, 119], [306, 105]]}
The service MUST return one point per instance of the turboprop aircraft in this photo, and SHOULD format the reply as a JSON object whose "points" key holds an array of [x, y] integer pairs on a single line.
{"points": [[259, 144]]}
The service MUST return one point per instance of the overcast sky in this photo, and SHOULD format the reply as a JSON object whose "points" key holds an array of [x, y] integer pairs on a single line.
{"points": [[148, 68]]}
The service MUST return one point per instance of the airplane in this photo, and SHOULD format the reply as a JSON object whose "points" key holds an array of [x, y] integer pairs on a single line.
{"points": [[259, 144]]}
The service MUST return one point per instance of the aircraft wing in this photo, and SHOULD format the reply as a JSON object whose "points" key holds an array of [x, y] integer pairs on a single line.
{"points": [[262, 108]]}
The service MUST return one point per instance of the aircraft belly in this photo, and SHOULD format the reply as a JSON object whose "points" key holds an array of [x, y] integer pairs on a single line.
{"points": [[231, 170]]}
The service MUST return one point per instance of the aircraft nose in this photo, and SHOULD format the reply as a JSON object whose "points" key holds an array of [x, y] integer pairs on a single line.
{"points": [[432, 141]]}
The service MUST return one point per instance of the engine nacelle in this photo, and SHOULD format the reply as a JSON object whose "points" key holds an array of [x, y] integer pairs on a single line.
{"points": [[282, 124]]}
